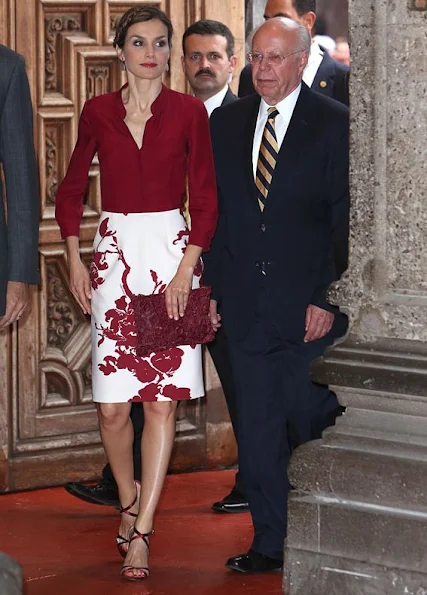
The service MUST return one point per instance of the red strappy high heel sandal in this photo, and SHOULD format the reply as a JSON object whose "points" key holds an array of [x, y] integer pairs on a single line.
{"points": [[120, 540], [145, 570]]}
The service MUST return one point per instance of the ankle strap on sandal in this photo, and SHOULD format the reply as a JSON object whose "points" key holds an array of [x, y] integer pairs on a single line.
{"points": [[127, 509], [138, 535]]}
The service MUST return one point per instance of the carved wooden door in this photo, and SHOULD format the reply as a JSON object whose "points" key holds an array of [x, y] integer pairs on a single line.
{"points": [[48, 425]]}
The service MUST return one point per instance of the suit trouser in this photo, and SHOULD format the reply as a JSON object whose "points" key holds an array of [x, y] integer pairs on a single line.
{"points": [[274, 395], [220, 356]]}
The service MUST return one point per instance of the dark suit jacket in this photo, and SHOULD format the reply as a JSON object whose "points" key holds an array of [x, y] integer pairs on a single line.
{"points": [[331, 80], [19, 237], [303, 226], [229, 98]]}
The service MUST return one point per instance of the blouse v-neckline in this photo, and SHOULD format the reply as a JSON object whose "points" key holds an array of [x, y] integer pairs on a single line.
{"points": [[155, 109]]}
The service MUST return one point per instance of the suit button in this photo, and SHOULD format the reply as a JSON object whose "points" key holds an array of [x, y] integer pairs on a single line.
{"points": [[263, 227]]}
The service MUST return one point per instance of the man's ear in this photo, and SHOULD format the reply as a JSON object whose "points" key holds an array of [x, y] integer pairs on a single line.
{"points": [[303, 61], [308, 19], [183, 63], [233, 62]]}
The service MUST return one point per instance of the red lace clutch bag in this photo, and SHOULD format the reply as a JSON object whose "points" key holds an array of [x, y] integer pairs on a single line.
{"points": [[156, 331]]}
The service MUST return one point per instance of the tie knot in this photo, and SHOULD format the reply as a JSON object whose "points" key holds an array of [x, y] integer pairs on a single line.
{"points": [[272, 112]]}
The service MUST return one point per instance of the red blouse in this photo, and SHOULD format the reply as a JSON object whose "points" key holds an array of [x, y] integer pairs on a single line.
{"points": [[176, 149]]}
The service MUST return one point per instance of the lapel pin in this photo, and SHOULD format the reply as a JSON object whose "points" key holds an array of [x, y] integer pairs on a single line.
{"points": [[323, 84]]}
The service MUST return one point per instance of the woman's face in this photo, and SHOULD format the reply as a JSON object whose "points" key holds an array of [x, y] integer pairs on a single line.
{"points": [[146, 50]]}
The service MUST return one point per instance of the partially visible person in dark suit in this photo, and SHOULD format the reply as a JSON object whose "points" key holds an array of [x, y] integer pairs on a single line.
{"points": [[322, 73], [19, 222], [208, 62], [281, 159]]}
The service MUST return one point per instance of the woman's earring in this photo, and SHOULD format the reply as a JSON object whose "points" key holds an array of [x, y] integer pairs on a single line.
{"points": [[167, 67], [122, 65]]}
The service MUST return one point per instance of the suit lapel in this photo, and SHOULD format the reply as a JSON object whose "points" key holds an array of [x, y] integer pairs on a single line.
{"points": [[249, 133], [299, 132], [229, 97], [324, 81]]}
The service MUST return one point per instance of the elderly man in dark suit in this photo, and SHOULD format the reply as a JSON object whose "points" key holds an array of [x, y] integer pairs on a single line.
{"points": [[322, 73], [281, 159], [19, 222]]}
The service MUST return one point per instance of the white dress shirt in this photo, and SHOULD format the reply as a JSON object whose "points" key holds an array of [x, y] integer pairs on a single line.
{"points": [[286, 109], [314, 60], [215, 101]]}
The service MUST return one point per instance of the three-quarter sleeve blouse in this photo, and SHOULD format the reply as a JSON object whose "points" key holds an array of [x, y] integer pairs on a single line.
{"points": [[176, 152]]}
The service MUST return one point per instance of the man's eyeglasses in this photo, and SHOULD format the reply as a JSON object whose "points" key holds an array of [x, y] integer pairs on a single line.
{"points": [[271, 59]]}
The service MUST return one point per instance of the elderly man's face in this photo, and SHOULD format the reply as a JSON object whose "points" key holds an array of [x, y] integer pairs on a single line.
{"points": [[274, 78]]}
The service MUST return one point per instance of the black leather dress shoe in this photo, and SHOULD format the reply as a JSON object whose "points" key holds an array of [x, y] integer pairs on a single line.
{"points": [[234, 502], [253, 563], [102, 493]]}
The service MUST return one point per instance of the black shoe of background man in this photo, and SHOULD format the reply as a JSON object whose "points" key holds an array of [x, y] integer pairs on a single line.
{"points": [[253, 563], [102, 493], [234, 502]]}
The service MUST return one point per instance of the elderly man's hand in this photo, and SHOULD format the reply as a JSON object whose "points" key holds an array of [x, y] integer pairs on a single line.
{"points": [[318, 323], [214, 316], [17, 297]]}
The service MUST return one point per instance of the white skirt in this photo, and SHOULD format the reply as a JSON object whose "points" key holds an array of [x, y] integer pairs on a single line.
{"points": [[137, 253]]}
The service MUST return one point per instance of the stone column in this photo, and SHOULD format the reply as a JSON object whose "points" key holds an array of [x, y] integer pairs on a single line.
{"points": [[358, 517], [254, 16]]}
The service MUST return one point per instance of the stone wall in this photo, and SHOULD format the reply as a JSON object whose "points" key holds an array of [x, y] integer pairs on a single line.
{"points": [[358, 517]]}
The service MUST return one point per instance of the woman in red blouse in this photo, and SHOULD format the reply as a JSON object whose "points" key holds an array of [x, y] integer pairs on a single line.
{"points": [[151, 143]]}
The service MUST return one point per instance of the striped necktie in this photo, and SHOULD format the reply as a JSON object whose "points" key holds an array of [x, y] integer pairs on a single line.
{"points": [[267, 158]]}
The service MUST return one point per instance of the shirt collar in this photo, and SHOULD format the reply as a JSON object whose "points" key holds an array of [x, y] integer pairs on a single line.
{"points": [[216, 100], [285, 107], [315, 53]]}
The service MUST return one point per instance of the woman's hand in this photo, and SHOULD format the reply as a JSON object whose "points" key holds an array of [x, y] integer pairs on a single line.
{"points": [[80, 284], [178, 290]]}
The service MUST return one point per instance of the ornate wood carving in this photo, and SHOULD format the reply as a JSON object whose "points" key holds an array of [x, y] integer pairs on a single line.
{"points": [[51, 139], [54, 25], [98, 80], [87, 376], [61, 309]]}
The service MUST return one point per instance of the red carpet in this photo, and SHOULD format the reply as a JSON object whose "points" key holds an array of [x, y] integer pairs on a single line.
{"points": [[67, 547]]}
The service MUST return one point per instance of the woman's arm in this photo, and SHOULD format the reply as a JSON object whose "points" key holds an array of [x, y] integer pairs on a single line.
{"points": [[79, 275], [202, 193], [71, 191], [69, 209]]}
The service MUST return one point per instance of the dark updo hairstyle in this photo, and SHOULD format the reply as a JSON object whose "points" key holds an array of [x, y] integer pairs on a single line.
{"points": [[140, 14]]}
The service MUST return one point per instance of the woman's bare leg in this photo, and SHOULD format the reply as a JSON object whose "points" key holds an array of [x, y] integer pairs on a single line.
{"points": [[117, 438], [156, 447]]}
